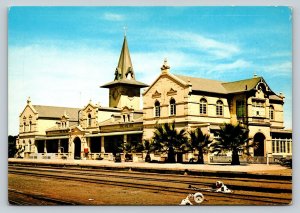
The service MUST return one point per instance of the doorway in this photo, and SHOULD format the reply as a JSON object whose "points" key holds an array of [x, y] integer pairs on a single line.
{"points": [[259, 139], [77, 148]]}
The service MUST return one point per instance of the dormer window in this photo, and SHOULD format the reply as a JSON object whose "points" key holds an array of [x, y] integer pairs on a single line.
{"points": [[89, 120], [30, 123], [24, 127]]}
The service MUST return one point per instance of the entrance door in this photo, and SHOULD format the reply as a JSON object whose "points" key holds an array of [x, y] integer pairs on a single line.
{"points": [[77, 148], [259, 139]]}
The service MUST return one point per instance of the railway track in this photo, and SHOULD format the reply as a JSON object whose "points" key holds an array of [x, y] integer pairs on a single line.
{"points": [[240, 184], [159, 183], [34, 199]]}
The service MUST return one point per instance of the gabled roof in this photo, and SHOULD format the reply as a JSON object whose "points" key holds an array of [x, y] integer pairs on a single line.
{"points": [[56, 112], [137, 117], [202, 84], [208, 85], [275, 97], [242, 85], [169, 75]]}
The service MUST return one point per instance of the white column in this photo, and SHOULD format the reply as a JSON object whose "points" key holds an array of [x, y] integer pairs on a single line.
{"points": [[45, 146], [59, 149], [102, 145]]}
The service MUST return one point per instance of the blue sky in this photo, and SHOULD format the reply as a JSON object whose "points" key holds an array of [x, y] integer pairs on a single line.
{"points": [[61, 55]]}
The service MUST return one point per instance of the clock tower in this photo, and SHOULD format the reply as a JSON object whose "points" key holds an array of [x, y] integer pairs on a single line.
{"points": [[124, 90]]}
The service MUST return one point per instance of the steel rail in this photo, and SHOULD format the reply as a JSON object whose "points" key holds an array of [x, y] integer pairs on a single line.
{"points": [[162, 178], [151, 187]]}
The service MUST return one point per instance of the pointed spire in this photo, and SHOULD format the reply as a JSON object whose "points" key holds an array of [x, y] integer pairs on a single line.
{"points": [[124, 69]]}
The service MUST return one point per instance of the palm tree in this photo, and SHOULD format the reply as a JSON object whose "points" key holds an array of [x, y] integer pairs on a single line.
{"points": [[232, 138], [132, 146], [199, 141], [167, 139]]}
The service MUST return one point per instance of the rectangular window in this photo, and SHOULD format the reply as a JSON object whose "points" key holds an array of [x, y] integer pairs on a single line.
{"points": [[240, 109], [172, 109], [202, 108], [219, 110], [157, 111]]}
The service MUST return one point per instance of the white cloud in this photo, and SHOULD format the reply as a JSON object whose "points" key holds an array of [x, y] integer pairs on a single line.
{"points": [[113, 17], [238, 64], [51, 76], [201, 43], [278, 69]]}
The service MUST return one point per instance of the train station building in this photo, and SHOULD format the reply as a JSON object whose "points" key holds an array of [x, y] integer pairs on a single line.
{"points": [[94, 131]]}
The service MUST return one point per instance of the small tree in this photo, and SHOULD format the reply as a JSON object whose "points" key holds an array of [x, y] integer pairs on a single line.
{"points": [[147, 147], [199, 141], [167, 139], [132, 146], [12, 147], [232, 138]]}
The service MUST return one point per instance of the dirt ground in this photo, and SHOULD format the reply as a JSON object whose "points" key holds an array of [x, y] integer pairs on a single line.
{"points": [[97, 194]]}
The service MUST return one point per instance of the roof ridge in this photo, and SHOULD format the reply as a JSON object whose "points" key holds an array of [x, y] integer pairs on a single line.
{"points": [[247, 79], [187, 76], [34, 105]]}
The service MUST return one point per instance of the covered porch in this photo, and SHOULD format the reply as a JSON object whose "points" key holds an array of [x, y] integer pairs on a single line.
{"points": [[51, 148], [107, 145]]}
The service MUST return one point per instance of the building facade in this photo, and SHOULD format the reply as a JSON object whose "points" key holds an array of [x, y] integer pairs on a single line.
{"points": [[95, 132]]}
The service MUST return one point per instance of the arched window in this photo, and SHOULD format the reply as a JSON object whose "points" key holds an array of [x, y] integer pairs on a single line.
{"points": [[219, 108], [30, 126], [89, 119], [24, 127], [203, 106], [172, 107], [157, 109], [271, 112]]}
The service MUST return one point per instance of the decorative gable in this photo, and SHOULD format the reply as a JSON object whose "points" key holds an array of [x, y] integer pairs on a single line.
{"points": [[156, 94], [172, 92]]}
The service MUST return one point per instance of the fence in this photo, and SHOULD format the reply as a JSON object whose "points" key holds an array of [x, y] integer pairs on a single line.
{"points": [[253, 160]]}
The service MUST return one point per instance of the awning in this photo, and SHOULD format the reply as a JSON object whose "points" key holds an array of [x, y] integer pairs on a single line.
{"points": [[51, 138], [114, 133]]}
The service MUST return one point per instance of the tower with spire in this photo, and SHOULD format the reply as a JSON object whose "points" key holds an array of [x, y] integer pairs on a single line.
{"points": [[124, 90]]}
